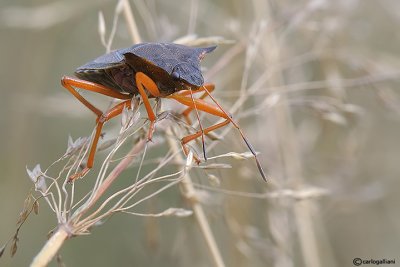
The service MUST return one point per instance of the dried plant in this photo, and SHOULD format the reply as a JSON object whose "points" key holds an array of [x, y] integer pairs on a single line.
{"points": [[289, 70], [77, 214]]}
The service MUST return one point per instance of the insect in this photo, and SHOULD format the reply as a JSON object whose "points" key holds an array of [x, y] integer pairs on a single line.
{"points": [[151, 70]]}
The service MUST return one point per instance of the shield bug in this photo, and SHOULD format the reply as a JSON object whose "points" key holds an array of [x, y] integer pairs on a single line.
{"points": [[151, 70]]}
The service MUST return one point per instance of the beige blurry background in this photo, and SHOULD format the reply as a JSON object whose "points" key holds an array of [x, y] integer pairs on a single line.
{"points": [[326, 120]]}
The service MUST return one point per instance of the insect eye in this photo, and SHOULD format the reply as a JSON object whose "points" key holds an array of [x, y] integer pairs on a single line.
{"points": [[175, 75], [176, 72]]}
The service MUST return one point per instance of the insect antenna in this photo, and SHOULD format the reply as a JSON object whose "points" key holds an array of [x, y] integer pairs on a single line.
{"points": [[200, 125], [229, 117]]}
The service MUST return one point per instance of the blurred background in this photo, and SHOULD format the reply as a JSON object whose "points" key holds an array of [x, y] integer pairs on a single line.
{"points": [[321, 104]]}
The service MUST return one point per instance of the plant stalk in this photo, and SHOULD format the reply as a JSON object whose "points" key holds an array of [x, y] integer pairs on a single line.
{"points": [[51, 248], [190, 193]]}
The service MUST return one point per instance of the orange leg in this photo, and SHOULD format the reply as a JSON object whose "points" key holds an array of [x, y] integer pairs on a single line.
{"points": [[216, 110], [69, 83], [199, 104], [186, 114], [187, 111], [115, 111], [143, 82]]}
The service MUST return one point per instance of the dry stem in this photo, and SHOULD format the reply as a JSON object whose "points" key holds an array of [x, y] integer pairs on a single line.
{"points": [[51, 248], [134, 33], [190, 193], [55, 242], [302, 210]]}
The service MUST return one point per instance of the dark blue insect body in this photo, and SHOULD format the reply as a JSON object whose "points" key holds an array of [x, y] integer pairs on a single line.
{"points": [[173, 67]]}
